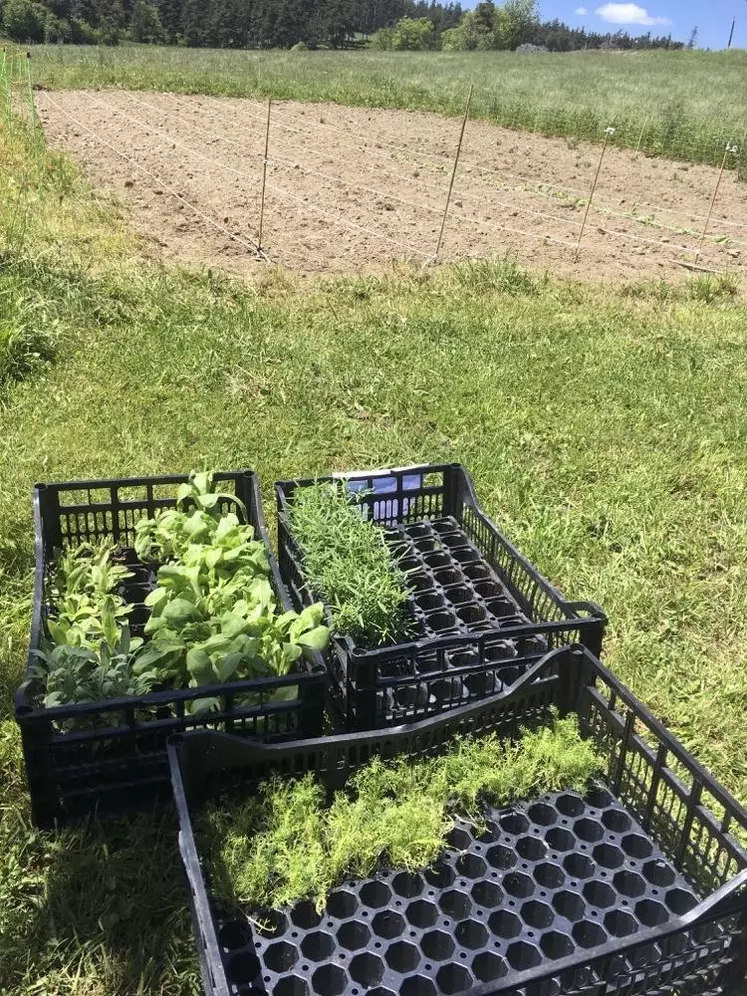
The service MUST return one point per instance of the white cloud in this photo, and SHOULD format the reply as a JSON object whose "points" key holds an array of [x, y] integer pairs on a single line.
{"points": [[628, 13], [581, 11]]}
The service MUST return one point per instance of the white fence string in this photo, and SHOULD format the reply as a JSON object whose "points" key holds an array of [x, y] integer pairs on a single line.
{"points": [[499, 173], [340, 181], [216, 162], [343, 222], [170, 190]]}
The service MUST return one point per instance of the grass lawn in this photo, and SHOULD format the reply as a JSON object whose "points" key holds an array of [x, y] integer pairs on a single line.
{"points": [[686, 105], [605, 430]]}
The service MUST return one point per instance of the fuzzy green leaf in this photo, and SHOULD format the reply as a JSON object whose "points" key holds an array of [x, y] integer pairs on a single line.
{"points": [[199, 663], [316, 639]]}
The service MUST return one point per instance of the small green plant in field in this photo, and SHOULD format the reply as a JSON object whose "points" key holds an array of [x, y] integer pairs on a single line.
{"points": [[707, 288], [285, 843], [349, 565], [22, 350]]}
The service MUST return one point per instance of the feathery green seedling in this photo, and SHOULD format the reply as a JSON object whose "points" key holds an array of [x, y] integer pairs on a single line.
{"points": [[285, 843], [349, 565]]}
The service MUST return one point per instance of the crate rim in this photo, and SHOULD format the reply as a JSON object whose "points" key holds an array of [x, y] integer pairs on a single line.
{"points": [[669, 740], [124, 482], [596, 615], [164, 696], [282, 487]]}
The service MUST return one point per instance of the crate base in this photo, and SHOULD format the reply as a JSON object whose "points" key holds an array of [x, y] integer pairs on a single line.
{"points": [[533, 885]]}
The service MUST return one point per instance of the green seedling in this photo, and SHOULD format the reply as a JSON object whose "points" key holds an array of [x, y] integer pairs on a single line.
{"points": [[88, 610], [287, 842], [74, 675], [196, 518], [349, 565], [214, 616]]}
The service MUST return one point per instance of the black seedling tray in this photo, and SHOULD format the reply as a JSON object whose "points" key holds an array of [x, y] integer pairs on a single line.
{"points": [[481, 611], [454, 590], [637, 887], [111, 755]]}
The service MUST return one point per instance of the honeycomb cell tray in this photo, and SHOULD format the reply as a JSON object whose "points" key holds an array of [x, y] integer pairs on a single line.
{"points": [[638, 886], [455, 593], [454, 589], [536, 884], [476, 603]]}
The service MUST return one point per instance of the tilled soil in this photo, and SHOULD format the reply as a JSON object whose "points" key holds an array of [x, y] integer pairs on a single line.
{"points": [[351, 190]]}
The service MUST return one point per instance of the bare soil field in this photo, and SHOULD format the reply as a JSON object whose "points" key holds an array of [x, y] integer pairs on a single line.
{"points": [[351, 190]]}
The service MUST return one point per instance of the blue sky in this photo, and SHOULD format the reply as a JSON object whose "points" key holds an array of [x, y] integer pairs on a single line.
{"points": [[713, 17]]}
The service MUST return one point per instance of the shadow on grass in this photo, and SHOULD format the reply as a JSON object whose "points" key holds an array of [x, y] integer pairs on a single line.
{"points": [[115, 910]]}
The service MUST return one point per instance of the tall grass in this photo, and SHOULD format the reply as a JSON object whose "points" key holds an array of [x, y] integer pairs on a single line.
{"points": [[683, 105], [46, 214]]}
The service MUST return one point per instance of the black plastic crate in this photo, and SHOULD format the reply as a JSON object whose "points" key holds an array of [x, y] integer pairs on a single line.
{"points": [[111, 755], [482, 612], [638, 887]]}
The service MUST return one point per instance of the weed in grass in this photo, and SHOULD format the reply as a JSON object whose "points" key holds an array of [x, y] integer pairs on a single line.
{"points": [[23, 349], [483, 276], [709, 288], [287, 844], [349, 565]]}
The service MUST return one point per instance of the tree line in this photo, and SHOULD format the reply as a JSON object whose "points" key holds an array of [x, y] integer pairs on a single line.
{"points": [[385, 24], [216, 23], [514, 24]]}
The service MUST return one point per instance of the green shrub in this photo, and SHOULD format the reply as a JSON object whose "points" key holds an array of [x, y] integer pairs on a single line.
{"points": [[145, 24], [25, 21], [409, 34]]}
